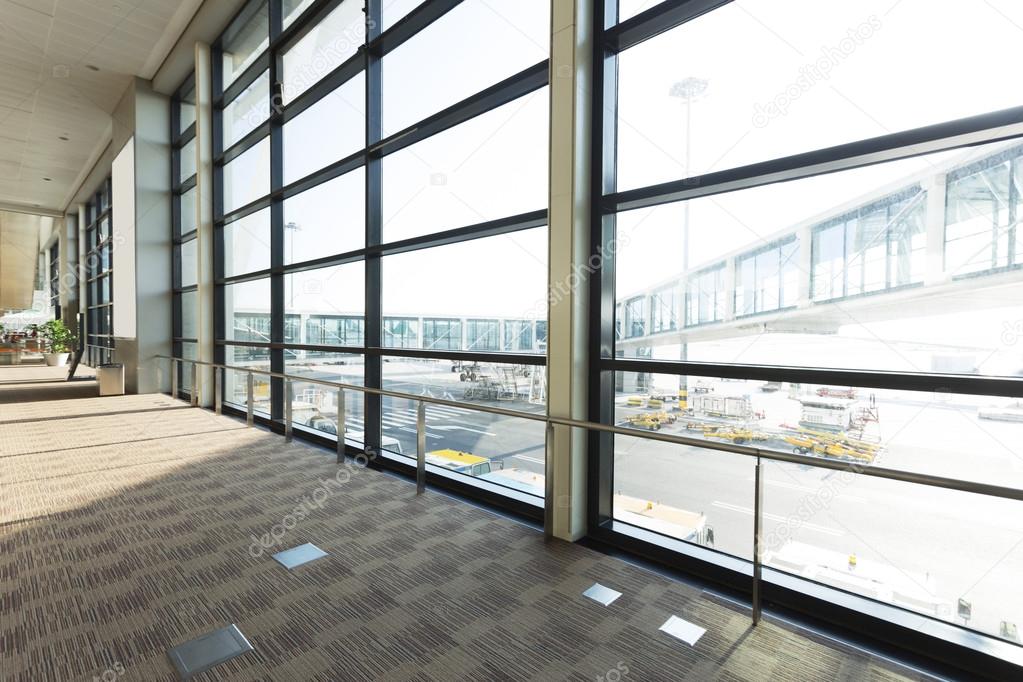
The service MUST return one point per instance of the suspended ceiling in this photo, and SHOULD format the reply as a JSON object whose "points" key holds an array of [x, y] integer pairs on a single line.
{"points": [[64, 65]]}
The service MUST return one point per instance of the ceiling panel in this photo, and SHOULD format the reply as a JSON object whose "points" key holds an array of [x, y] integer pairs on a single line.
{"points": [[64, 65]]}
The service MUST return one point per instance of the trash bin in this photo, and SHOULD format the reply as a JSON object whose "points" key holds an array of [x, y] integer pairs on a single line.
{"points": [[111, 378]]}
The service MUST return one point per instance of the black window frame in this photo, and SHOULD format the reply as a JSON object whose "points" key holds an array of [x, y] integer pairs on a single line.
{"points": [[367, 61], [606, 328], [99, 281]]}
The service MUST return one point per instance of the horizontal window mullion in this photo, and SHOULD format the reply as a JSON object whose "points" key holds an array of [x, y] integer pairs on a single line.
{"points": [[246, 210], [410, 25], [349, 69], [186, 237], [185, 185], [247, 277], [905, 381], [536, 359], [508, 90], [243, 145], [298, 29], [269, 345], [491, 228], [334, 170], [350, 350], [339, 259], [658, 19], [184, 137], [244, 80], [990, 127]]}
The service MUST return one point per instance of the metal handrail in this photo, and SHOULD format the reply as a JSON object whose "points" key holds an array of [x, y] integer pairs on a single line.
{"points": [[759, 454]]}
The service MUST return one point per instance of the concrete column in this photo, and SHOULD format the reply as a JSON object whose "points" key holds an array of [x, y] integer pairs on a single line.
{"points": [[204, 216], [569, 237], [934, 221], [152, 238]]}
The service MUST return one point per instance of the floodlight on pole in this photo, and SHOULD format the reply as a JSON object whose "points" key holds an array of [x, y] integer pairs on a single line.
{"points": [[688, 90]]}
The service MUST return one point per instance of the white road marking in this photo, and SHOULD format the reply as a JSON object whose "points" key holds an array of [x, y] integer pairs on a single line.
{"points": [[777, 518], [535, 460], [812, 491], [452, 411], [452, 427]]}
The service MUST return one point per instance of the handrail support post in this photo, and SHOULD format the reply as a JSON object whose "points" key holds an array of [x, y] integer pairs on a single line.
{"points": [[249, 404], [758, 546], [421, 448]]}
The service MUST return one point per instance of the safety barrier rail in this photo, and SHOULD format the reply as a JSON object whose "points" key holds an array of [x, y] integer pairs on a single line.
{"points": [[551, 422]]}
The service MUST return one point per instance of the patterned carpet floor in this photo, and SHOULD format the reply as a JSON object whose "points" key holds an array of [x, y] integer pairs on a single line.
{"points": [[131, 524]]}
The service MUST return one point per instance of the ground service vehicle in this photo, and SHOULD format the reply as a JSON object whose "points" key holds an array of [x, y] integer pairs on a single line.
{"points": [[660, 518], [460, 462], [733, 407]]}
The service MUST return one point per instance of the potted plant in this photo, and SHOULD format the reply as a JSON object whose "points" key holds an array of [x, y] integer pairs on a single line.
{"points": [[59, 339]]}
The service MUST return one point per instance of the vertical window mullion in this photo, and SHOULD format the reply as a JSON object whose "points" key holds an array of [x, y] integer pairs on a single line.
{"points": [[374, 224]]}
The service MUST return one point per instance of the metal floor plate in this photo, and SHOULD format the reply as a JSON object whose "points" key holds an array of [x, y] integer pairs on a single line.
{"points": [[688, 632], [297, 556], [210, 650], [601, 594]]}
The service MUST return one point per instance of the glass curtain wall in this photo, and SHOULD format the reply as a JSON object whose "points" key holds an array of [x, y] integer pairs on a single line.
{"points": [[865, 314], [184, 229], [99, 277], [380, 213]]}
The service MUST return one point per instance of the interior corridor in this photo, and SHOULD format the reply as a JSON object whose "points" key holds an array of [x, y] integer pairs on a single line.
{"points": [[132, 524]]}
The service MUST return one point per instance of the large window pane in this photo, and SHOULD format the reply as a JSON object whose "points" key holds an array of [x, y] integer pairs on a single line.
{"points": [[326, 46], [247, 177], [810, 75], [235, 383], [189, 315], [315, 406], [335, 290], [187, 211], [937, 434], [189, 262], [327, 219], [247, 111], [186, 110], [186, 157], [446, 62], [328, 131], [493, 166], [246, 244], [245, 42], [500, 450], [247, 311], [830, 271], [502, 277]]}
